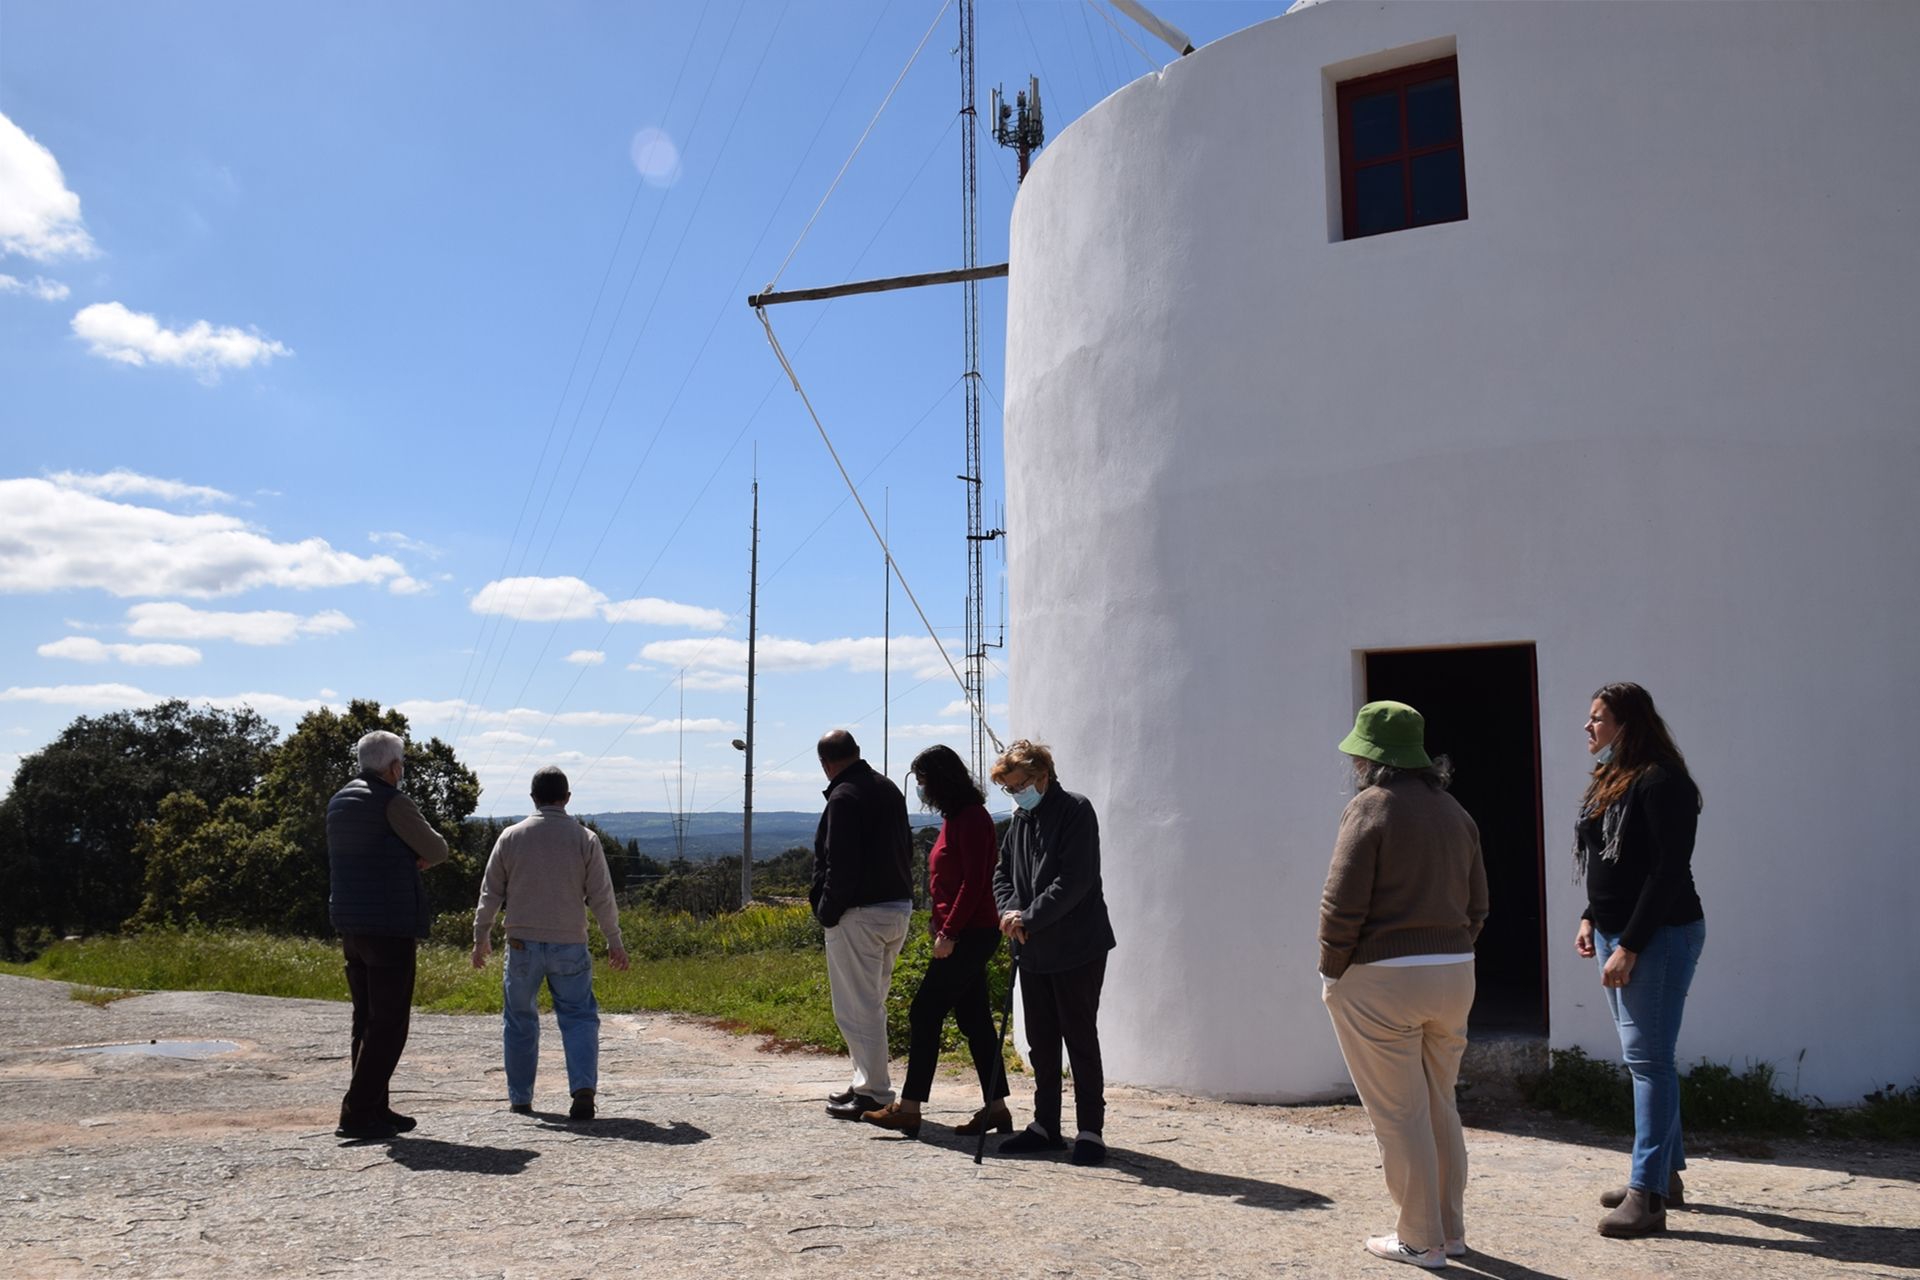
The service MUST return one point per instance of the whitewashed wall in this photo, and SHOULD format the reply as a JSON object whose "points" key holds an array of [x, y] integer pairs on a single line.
{"points": [[1653, 408]]}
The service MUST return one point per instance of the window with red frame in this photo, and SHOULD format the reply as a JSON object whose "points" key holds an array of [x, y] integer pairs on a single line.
{"points": [[1400, 158]]}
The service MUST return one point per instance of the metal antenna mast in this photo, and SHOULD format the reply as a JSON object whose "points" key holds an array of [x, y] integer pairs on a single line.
{"points": [[976, 530], [753, 631]]}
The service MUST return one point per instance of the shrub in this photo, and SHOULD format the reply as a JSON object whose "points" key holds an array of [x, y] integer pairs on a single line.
{"points": [[1582, 1088], [1891, 1114], [1713, 1097]]}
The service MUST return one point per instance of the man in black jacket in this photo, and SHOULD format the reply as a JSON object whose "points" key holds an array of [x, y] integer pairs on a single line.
{"points": [[377, 844], [863, 894]]}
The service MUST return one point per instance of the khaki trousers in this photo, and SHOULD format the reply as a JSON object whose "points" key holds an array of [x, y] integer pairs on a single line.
{"points": [[1402, 1031]]}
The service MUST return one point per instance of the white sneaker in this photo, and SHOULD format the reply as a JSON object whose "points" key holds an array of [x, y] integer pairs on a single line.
{"points": [[1457, 1248], [1390, 1248]]}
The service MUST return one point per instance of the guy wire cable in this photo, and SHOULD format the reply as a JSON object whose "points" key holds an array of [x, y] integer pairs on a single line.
{"points": [[901, 578]]}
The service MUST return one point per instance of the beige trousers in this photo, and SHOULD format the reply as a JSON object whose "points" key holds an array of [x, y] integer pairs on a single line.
{"points": [[861, 950], [1402, 1031]]}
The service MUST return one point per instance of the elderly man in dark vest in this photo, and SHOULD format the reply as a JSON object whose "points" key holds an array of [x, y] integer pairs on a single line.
{"points": [[377, 845]]}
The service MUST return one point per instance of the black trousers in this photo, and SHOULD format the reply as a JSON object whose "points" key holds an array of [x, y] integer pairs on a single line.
{"points": [[1060, 1007], [957, 983], [380, 977]]}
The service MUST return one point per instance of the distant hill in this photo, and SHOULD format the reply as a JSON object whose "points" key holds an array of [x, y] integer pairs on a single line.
{"points": [[717, 835]]}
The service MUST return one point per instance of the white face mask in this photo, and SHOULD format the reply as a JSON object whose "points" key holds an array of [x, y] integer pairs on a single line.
{"points": [[1605, 754], [920, 794], [1028, 797]]}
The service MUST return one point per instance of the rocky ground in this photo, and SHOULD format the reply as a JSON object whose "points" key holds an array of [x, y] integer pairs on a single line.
{"points": [[714, 1159]]}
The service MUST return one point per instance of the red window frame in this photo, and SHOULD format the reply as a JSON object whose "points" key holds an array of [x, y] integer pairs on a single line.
{"points": [[1401, 79]]}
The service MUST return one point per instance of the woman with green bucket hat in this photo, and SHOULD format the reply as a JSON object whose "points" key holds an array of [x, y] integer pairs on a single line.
{"points": [[1405, 898]]}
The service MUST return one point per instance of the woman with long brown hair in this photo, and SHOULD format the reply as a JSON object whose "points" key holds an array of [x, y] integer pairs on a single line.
{"points": [[1645, 928], [966, 933]]}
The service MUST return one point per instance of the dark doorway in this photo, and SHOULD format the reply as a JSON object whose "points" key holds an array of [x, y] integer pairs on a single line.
{"points": [[1482, 709]]}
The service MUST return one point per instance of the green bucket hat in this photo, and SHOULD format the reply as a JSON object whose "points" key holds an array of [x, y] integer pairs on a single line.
{"points": [[1390, 733]]}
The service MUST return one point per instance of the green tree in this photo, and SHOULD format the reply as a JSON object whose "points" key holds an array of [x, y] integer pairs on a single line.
{"points": [[317, 759], [264, 862], [69, 829], [224, 867]]}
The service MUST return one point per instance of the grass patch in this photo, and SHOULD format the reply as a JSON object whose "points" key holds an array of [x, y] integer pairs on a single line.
{"points": [[761, 971], [99, 997]]}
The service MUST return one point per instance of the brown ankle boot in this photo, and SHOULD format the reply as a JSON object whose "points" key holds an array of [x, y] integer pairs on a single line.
{"points": [[1638, 1215], [986, 1120], [1676, 1195], [896, 1117]]}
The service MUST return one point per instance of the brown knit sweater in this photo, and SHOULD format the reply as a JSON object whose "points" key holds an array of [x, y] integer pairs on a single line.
{"points": [[1406, 879]]}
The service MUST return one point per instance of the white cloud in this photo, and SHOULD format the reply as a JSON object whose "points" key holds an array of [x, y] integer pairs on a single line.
{"points": [[119, 697], [122, 483], [655, 157], [916, 654], [91, 697], [586, 657], [450, 710], [87, 649], [39, 287], [958, 707], [538, 599], [132, 337], [925, 730], [709, 681], [401, 542], [570, 599], [173, 621], [664, 613], [54, 539], [408, 586], [509, 738], [39, 217]]}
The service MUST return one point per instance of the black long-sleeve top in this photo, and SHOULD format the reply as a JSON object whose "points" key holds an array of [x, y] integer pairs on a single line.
{"points": [[1651, 883], [1049, 872], [863, 848]]}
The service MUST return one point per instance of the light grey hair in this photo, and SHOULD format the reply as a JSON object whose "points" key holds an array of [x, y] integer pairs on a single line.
{"points": [[1438, 775], [378, 750]]}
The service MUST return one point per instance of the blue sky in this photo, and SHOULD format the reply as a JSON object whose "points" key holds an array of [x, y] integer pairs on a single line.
{"points": [[400, 352]]}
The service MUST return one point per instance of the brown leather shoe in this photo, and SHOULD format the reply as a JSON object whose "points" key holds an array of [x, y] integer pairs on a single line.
{"points": [[896, 1117], [1676, 1195], [1638, 1215], [987, 1120]]}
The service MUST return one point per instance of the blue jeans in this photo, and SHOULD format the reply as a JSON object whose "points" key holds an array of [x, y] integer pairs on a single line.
{"points": [[1647, 1014], [568, 971]]}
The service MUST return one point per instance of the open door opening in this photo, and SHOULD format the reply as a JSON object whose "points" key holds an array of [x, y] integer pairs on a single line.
{"points": [[1482, 710]]}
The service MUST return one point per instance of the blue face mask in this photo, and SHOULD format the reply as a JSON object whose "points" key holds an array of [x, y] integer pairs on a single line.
{"points": [[1028, 797], [920, 794], [1605, 754]]}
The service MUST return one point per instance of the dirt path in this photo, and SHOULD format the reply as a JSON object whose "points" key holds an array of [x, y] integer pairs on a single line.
{"points": [[714, 1159]]}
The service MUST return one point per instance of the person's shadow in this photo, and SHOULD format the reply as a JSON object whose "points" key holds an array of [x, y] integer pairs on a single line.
{"points": [[1484, 1264], [1833, 1241], [1158, 1171], [624, 1129], [433, 1155]]}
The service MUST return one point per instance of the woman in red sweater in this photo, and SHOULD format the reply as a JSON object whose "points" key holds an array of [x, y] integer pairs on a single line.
{"points": [[966, 933]]}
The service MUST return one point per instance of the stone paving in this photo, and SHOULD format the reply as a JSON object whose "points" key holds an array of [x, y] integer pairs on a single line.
{"points": [[714, 1158]]}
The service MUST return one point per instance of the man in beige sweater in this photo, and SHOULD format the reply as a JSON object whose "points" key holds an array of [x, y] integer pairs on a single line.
{"points": [[542, 870]]}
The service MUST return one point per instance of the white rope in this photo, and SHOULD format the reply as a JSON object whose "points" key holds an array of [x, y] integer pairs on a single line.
{"points": [[878, 537], [856, 147]]}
